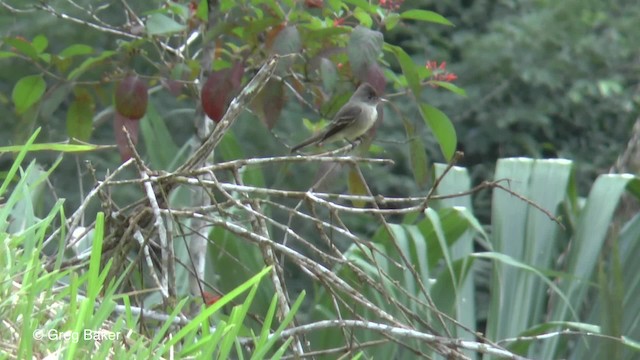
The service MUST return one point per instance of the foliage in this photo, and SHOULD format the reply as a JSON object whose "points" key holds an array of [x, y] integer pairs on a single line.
{"points": [[545, 79], [75, 313], [390, 277]]}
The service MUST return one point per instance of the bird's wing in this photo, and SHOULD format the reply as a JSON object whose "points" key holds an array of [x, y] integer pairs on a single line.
{"points": [[343, 118]]}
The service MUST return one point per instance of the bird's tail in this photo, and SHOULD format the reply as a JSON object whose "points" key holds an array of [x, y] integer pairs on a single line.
{"points": [[314, 139]]}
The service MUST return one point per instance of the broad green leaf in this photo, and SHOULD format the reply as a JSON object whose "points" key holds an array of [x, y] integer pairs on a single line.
{"points": [[80, 117], [160, 146], [417, 155], [523, 233], [442, 129], [27, 92], [391, 21], [75, 50], [592, 232], [88, 63], [22, 46], [160, 24], [202, 12], [363, 17], [40, 43], [425, 15], [408, 69]]}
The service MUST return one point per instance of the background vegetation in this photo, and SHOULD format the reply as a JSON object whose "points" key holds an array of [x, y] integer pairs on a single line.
{"points": [[371, 253]]}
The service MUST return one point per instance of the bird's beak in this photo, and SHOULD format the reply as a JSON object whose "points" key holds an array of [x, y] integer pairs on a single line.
{"points": [[383, 100]]}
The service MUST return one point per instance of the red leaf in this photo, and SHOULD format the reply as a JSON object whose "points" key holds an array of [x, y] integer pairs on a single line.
{"points": [[272, 34], [210, 298], [132, 127], [375, 76], [131, 97], [317, 4], [219, 89]]}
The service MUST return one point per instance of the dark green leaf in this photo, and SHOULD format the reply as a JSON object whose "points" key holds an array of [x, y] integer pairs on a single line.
{"points": [[417, 155], [287, 41], [425, 15], [52, 99], [27, 92], [442, 129], [364, 48], [80, 118], [157, 138], [329, 74]]}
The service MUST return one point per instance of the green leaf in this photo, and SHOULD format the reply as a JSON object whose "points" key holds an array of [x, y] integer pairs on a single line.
{"points": [[356, 187], [49, 147], [286, 42], [449, 86], [391, 21], [442, 129], [161, 148], [203, 10], [23, 46], [53, 98], [159, 24], [408, 69], [88, 63], [363, 17], [425, 15], [27, 92], [40, 43], [362, 4], [7, 54], [80, 118], [74, 50], [22, 152], [417, 155]]}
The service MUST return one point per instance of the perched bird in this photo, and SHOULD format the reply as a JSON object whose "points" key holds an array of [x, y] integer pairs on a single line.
{"points": [[354, 119]]}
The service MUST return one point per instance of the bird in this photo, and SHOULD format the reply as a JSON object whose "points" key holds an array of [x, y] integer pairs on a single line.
{"points": [[354, 119]]}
